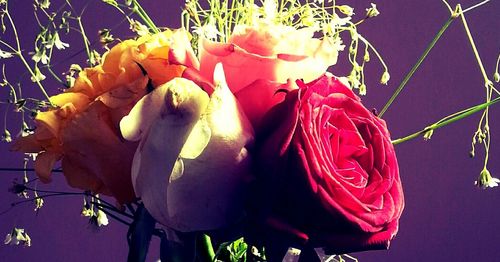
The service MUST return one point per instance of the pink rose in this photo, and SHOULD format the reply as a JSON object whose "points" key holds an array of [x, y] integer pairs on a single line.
{"points": [[329, 171], [270, 52]]}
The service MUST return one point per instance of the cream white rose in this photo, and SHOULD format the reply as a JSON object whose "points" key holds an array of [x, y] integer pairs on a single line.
{"points": [[191, 165]]}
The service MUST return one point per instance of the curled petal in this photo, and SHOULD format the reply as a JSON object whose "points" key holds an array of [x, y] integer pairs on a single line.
{"points": [[95, 157], [44, 164]]}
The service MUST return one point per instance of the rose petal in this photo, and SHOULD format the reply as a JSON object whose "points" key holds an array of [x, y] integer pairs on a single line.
{"points": [[92, 145], [44, 164]]}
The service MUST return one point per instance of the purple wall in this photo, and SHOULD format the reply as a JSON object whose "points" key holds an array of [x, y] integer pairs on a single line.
{"points": [[446, 217]]}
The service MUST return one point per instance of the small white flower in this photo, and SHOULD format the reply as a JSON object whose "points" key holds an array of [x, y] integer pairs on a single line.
{"points": [[44, 4], [337, 21], [354, 79], [6, 136], [138, 28], [346, 10], [338, 44], [496, 77], [58, 43], [485, 180], [17, 236], [428, 134], [8, 239], [38, 76], [102, 219], [362, 89], [87, 210], [372, 11], [4, 54], [209, 30], [40, 56], [385, 78], [307, 18], [270, 9]]}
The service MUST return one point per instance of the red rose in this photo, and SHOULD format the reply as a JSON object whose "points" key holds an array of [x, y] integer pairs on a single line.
{"points": [[330, 175]]}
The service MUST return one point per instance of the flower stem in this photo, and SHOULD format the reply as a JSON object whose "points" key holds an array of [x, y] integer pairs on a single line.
{"points": [[19, 54], [8, 169], [144, 16], [474, 48], [206, 251], [448, 120], [417, 65]]}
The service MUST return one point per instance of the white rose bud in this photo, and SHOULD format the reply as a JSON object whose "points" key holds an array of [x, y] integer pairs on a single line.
{"points": [[191, 163]]}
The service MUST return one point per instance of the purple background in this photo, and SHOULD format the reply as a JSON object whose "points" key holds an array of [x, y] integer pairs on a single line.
{"points": [[446, 217]]}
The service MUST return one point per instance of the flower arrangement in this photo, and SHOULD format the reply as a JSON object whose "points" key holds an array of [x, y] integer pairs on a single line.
{"points": [[226, 139]]}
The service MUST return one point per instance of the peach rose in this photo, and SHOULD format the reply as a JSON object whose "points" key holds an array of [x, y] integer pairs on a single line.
{"points": [[82, 127]]}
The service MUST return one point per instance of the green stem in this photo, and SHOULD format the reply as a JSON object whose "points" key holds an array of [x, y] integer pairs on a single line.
{"points": [[447, 120], [85, 40], [8, 46], [473, 45], [33, 74], [144, 16], [368, 44], [25, 169], [20, 55], [475, 6], [207, 250], [417, 65]]}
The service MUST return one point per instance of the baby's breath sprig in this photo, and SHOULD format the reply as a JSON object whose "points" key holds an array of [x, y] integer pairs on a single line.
{"points": [[18, 236], [54, 23], [48, 38], [15, 50], [94, 207], [483, 134], [134, 7]]}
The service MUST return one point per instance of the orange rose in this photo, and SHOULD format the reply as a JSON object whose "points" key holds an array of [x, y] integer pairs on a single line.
{"points": [[82, 127]]}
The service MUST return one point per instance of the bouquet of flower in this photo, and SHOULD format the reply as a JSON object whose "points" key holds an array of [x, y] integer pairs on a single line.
{"points": [[232, 138]]}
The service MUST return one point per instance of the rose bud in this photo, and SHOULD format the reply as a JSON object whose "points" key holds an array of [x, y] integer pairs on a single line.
{"points": [[328, 172], [191, 164]]}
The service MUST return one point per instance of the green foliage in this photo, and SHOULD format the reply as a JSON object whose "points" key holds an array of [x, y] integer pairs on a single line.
{"points": [[239, 251]]}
